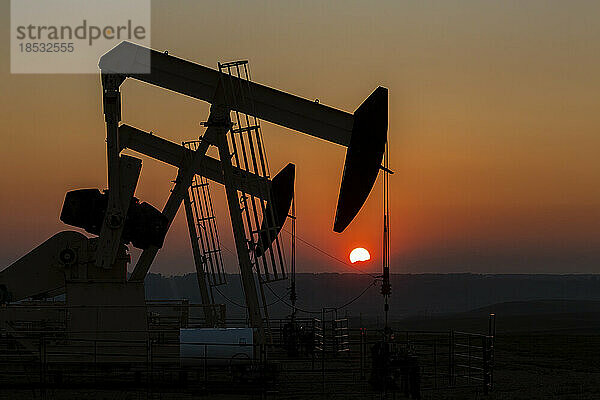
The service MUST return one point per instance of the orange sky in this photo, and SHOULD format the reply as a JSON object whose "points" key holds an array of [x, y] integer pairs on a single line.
{"points": [[494, 128]]}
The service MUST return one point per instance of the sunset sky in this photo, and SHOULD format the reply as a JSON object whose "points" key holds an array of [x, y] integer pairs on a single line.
{"points": [[494, 129]]}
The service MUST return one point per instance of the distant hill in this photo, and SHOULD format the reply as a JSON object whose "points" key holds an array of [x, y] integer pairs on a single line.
{"points": [[539, 307], [421, 295], [580, 317]]}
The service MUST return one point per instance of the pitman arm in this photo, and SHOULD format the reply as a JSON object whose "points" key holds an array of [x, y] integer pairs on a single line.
{"points": [[176, 155]]}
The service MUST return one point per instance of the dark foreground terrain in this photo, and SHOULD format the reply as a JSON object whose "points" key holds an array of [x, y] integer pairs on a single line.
{"points": [[547, 349], [544, 349]]}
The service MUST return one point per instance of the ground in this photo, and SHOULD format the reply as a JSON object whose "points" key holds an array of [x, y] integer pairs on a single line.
{"points": [[557, 360]]}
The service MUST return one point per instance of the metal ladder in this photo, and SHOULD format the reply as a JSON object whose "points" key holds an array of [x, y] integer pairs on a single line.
{"points": [[206, 232], [204, 237], [248, 153]]}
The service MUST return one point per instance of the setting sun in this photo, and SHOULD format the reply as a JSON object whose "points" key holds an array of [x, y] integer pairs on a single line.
{"points": [[359, 254]]}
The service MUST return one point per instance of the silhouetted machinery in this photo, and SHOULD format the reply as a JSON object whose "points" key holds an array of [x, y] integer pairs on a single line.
{"points": [[144, 225], [92, 271], [395, 368]]}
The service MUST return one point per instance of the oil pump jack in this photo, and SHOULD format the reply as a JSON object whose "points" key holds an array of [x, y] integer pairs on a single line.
{"points": [[92, 272]]}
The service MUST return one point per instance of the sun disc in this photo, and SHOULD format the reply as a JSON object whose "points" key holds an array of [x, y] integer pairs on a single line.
{"points": [[359, 254]]}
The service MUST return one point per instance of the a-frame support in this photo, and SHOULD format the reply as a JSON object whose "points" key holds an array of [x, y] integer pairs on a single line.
{"points": [[220, 120]]}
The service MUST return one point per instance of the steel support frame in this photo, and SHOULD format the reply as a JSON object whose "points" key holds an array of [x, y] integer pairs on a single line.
{"points": [[120, 193], [201, 164], [219, 119], [219, 124]]}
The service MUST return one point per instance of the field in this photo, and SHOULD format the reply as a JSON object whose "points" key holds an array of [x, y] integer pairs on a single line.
{"points": [[543, 350], [539, 354]]}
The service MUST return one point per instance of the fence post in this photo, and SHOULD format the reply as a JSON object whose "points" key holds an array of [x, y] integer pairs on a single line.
{"points": [[486, 376], [492, 347], [313, 356], [362, 355], [435, 362], [314, 339], [151, 363], [469, 358], [42, 368], [263, 370], [148, 363], [323, 365], [451, 358]]}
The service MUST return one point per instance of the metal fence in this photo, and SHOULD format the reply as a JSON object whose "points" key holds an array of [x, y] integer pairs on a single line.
{"points": [[45, 355], [445, 360]]}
